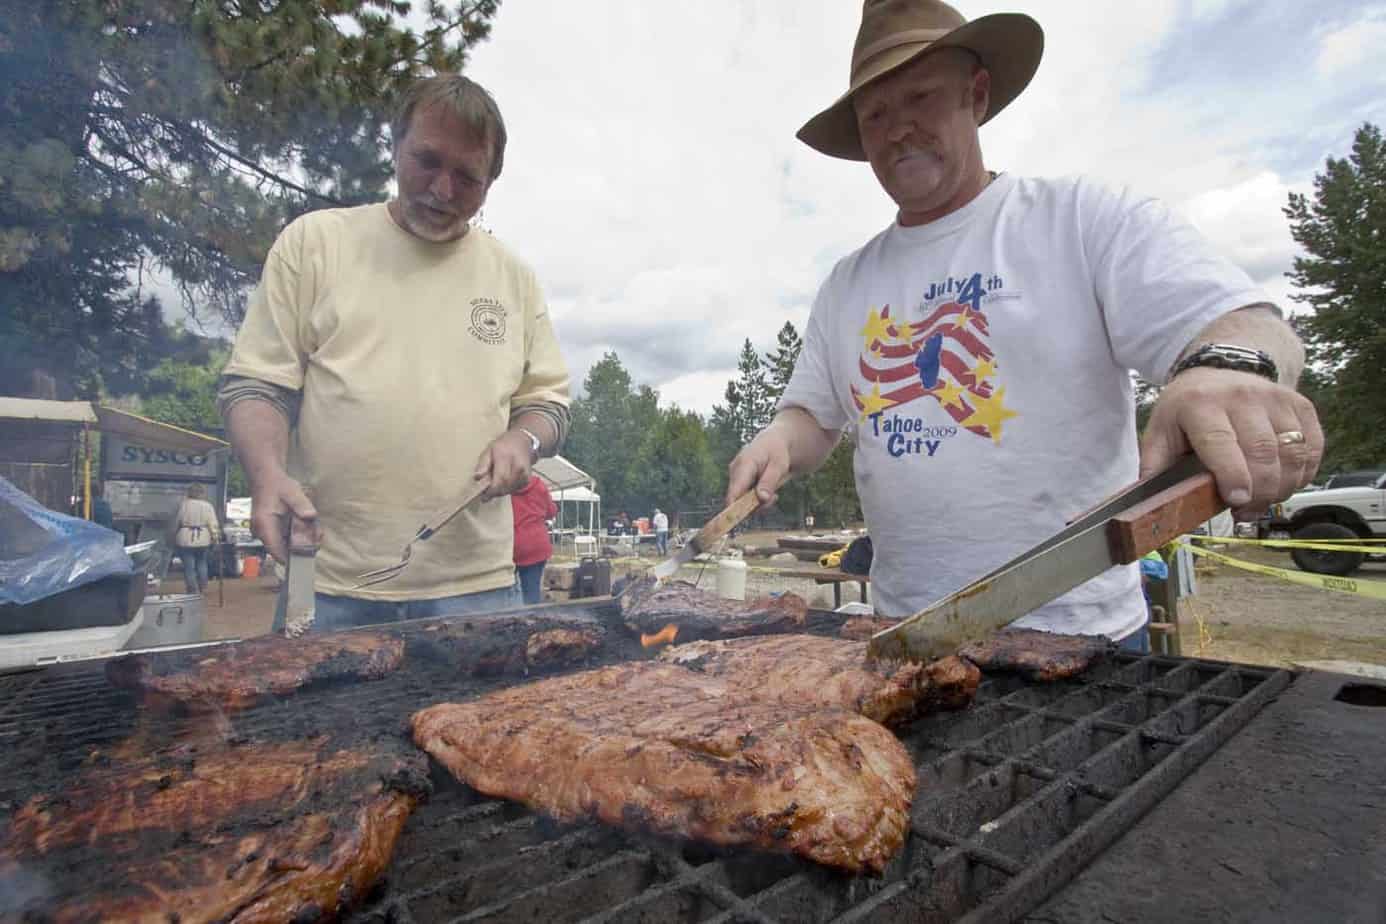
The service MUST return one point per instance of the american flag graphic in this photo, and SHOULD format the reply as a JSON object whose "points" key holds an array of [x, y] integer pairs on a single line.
{"points": [[945, 357]]}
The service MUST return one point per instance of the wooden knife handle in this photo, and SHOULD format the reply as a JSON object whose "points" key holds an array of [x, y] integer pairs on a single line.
{"points": [[1154, 522], [727, 520]]}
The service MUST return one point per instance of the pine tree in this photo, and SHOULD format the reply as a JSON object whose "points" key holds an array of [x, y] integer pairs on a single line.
{"points": [[779, 362], [184, 133], [1343, 277], [749, 405]]}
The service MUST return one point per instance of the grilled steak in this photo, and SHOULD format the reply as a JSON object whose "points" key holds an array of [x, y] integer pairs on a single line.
{"points": [[861, 628], [239, 675], [1038, 655], [516, 645], [827, 672], [255, 832], [648, 608], [652, 746]]}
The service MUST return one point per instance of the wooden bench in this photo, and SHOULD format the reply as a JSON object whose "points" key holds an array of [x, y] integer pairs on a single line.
{"points": [[823, 576]]}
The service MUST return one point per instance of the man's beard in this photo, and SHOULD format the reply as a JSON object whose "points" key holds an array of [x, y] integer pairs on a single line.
{"points": [[424, 223]]}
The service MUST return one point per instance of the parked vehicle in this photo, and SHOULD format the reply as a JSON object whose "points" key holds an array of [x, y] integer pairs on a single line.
{"points": [[1351, 505]]}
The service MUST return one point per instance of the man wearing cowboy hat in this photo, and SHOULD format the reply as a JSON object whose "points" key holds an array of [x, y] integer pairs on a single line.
{"points": [[980, 348]]}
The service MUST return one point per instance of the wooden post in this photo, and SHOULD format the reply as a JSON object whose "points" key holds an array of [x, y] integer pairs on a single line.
{"points": [[1168, 631]]}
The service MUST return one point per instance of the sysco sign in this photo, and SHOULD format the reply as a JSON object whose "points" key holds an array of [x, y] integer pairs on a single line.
{"points": [[125, 459]]}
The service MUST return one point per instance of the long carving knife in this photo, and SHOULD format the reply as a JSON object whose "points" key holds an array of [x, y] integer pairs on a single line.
{"points": [[712, 532], [1119, 531]]}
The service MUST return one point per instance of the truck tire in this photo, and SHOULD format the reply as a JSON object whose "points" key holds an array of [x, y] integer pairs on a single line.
{"points": [[1317, 561]]}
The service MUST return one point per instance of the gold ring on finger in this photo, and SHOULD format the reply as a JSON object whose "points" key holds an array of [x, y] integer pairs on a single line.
{"points": [[1290, 437]]}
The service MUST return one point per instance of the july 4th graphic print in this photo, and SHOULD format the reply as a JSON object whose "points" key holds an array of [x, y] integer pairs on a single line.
{"points": [[916, 376]]}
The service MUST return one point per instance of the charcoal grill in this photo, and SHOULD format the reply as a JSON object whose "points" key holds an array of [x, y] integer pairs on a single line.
{"points": [[1016, 795]]}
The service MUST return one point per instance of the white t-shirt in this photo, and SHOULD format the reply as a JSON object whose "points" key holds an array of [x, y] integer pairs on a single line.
{"points": [[982, 362], [661, 522]]}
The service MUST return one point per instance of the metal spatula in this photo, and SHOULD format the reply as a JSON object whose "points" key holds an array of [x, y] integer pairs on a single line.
{"points": [[435, 523], [712, 532]]}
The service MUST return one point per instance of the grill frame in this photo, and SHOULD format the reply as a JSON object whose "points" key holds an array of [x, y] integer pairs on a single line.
{"points": [[1017, 794]]}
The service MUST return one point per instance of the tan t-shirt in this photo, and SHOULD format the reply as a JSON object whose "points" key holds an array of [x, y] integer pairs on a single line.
{"points": [[410, 356]]}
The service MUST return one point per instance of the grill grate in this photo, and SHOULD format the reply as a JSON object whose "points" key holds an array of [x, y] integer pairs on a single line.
{"points": [[1016, 795]]}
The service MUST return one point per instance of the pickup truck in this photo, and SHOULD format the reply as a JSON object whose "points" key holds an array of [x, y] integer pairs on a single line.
{"points": [[1350, 506]]}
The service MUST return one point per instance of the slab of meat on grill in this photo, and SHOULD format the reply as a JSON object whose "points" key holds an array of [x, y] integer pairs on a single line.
{"points": [[829, 672], [654, 747], [861, 628], [506, 645], [649, 608], [1038, 655], [254, 832], [237, 676]]}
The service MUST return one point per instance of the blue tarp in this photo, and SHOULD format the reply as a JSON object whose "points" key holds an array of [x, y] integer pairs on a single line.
{"points": [[43, 552]]}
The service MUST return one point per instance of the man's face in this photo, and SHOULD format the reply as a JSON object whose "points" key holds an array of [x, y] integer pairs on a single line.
{"points": [[443, 171], [918, 128]]}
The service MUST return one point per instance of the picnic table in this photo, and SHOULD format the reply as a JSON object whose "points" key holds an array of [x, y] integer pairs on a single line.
{"points": [[831, 576]]}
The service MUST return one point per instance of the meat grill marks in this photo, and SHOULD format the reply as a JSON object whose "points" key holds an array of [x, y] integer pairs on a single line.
{"points": [[648, 607], [650, 746], [228, 833], [513, 645], [830, 673], [1043, 656], [237, 676]]}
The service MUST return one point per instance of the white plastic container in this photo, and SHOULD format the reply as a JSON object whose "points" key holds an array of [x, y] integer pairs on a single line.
{"points": [[731, 579]]}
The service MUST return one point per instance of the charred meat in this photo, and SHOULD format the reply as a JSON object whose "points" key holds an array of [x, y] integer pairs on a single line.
{"points": [[239, 675], [830, 673], [513, 645], [861, 628], [251, 832], [650, 608], [656, 747], [1043, 656]]}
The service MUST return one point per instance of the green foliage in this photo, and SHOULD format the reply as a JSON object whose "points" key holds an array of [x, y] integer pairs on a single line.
{"points": [[749, 404], [673, 469], [611, 422], [185, 133], [1343, 278]]}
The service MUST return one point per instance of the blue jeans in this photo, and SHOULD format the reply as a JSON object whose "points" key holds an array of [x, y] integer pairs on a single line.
{"points": [[662, 542], [331, 613], [194, 568], [531, 582]]}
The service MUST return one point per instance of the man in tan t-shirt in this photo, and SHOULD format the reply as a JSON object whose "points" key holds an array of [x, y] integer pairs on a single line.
{"points": [[390, 355]]}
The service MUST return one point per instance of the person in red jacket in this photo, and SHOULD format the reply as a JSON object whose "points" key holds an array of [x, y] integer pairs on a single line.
{"points": [[533, 509]]}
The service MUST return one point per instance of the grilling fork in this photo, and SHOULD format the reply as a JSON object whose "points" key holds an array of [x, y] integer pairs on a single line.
{"points": [[435, 523]]}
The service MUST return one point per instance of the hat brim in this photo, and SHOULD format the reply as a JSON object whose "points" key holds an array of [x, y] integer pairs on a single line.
{"points": [[1009, 44]]}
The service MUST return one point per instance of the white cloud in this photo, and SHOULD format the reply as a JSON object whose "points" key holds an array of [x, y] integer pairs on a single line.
{"points": [[1348, 49], [654, 181]]}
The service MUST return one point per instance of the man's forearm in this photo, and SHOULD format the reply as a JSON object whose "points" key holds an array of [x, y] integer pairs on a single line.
{"points": [[259, 434], [809, 444], [548, 421], [1258, 327]]}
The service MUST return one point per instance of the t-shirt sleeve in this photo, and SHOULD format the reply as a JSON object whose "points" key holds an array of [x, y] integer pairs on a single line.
{"points": [[546, 373], [270, 344], [1158, 280], [812, 385]]}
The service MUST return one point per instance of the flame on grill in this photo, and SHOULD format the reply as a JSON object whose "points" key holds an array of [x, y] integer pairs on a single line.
{"points": [[664, 636]]}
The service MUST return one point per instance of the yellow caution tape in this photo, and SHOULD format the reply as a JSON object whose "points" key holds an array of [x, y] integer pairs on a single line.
{"points": [[1322, 545], [1376, 590]]}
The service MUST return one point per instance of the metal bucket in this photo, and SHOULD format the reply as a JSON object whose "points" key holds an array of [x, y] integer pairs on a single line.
{"points": [[170, 619]]}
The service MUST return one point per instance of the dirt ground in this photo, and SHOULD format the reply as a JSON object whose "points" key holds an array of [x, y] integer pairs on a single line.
{"points": [[1236, 615]]}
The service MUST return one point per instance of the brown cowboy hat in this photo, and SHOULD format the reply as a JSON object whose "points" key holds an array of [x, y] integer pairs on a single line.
{"points": [[895, 32]]}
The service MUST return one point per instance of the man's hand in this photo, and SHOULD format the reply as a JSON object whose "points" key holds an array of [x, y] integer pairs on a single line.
{"points": [[762, 464], [1242, 427], [506, 462], [272, 503]]}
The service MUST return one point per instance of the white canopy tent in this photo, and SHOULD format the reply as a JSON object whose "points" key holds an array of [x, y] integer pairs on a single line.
{"points": [[571, 485]]}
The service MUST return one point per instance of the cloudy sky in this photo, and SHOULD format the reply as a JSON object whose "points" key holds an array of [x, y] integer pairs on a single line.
{"points": [[654, 181]]}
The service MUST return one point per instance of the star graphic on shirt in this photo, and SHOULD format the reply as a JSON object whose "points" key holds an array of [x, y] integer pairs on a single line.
{"points": [[875, 402], [947, 393], [990, 413], [904, 332], [963, 317], [983, 371], [876, 330]]}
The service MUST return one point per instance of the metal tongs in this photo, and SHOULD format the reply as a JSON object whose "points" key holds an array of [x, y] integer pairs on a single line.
{"points": [[435, 523]]}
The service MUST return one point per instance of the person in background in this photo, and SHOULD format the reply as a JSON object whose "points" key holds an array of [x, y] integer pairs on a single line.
{"points": [[533, 508], [660, 522], [101, 513], [196, 532]]}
